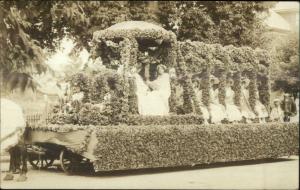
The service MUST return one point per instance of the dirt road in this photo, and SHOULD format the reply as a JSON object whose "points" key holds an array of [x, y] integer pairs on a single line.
{"points": [[278, 174]]}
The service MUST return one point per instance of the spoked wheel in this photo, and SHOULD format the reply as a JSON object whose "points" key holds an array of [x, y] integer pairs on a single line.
{"points": [[68, 161], [40, 162], [71, 163]]}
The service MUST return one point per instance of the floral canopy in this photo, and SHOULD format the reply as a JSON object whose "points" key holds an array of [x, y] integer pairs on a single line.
{"points": [[135, 29]]}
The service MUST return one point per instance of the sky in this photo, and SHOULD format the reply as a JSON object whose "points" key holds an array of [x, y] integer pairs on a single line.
{"points": [[61, 58]]}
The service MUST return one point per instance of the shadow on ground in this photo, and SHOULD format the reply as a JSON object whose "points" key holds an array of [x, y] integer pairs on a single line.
{"points": [[87, 172]]}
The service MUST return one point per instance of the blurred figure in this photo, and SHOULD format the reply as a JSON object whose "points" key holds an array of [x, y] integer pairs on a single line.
{"points": [[276, 113], [289, 107], [296, 117]]}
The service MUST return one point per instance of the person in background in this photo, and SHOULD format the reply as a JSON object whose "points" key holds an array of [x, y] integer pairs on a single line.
{"points": [[261, 110], [276, 113], [245, 107], [289, 107], [296, 117], [217, 110]]}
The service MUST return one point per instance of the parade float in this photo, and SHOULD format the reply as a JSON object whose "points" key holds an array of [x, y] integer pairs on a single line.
{"points": [[107, 131]]}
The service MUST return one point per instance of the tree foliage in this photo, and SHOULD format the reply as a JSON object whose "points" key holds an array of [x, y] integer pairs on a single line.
{"points": [[28, 26], [286, 66]]}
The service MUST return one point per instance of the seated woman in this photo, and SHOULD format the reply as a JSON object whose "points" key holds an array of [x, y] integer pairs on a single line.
{"points": [[276, 113], [233, 112], [261, 110], [153, 96], [203, 108], [217, 110], [246, 110]]}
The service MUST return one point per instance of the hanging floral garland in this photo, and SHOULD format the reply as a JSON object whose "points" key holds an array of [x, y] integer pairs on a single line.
{"points": [[253, 91], [173, 98], [237, 88], [132, 99]]}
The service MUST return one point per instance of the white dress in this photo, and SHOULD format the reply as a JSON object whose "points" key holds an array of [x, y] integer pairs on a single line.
{"points": [[245, 105], [155, 102], [232, 111], [260, 109], [202, 107], [277, 114], [217, 110], [12, 124]]}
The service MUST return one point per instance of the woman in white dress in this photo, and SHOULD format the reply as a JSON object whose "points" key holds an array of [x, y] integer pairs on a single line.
{"points": [[153, 96], [261, 110], [203, 108], [246, 110], [217, 110], [233, 112]]}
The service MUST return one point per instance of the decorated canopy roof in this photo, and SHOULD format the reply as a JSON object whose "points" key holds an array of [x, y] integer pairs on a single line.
{"points": [[134, 29]]}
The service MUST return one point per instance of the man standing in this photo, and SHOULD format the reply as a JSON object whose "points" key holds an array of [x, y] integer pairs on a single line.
{"points": [[289, 107]]}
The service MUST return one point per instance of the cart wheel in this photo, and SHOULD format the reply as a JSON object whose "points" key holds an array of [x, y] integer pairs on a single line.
{"points": [[67, 162], [42, 162]]}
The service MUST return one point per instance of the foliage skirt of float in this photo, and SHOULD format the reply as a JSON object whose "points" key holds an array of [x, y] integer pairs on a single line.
{"points": [[150, 146]]}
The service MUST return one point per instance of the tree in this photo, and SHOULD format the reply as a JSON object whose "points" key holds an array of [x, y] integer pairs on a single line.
{"points": [[27, 27], [226, 22], [19, 53], [285, 72]]}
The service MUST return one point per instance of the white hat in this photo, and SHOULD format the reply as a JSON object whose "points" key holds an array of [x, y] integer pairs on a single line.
{"points": [[214, 79]]}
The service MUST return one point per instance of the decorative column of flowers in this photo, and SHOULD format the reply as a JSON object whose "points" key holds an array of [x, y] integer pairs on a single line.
{"points": [[265, 87], [187, 99], [172, 50], [123, 80], [172, 63], [235, 64], [134, 51], [253, 89], [206, 85], [172, 99], [266, 91], [221, 61], [222, 86], [237, 88], [181, 71], [132, 97]]}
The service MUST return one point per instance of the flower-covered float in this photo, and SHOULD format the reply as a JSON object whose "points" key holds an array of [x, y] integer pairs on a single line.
{"points": [[158, 102]]}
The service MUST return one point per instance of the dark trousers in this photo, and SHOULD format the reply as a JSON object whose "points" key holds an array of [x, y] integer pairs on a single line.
{"points": [[18, 157], [287, 117]]}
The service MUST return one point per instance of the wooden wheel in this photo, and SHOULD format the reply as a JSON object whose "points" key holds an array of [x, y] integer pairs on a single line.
{"points": [[68, 161], [40, 162]]}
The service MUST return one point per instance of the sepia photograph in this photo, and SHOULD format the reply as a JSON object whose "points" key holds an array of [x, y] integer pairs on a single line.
{"points": [[149, 94]]}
